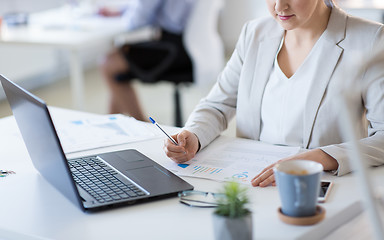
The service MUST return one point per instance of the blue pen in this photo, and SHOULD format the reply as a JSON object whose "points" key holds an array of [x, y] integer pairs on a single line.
{"points": [[170, 138]]}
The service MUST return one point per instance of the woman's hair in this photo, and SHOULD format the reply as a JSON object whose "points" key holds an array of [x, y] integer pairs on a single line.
{"points": [[329, 3]]}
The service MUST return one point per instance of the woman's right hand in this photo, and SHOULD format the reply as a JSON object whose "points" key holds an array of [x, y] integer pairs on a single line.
{"points": [[186, 148]]}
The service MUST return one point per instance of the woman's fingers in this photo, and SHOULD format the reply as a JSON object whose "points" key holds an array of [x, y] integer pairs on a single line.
{"points": [[186, 148], [264, 179]]}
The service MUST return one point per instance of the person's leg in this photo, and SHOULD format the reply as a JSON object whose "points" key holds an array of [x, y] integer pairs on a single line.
{"points": [[123, 97]]}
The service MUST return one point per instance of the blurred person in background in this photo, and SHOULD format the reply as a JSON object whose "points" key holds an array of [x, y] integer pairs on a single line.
{"points": [[143, 60]]}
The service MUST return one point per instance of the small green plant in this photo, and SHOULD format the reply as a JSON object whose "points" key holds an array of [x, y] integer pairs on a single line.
{"points": [[233, 205]]}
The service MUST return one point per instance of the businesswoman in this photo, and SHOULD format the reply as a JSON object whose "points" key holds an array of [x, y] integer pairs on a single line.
{"points": [[282, 81]]}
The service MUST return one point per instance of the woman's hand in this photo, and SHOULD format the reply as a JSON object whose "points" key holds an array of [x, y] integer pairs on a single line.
{"points": [[186, 148], [266, 177], [109, 12]]}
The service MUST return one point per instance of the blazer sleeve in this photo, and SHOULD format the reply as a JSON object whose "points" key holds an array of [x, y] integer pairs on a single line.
{"points": [[213, 113], [373, 99]]}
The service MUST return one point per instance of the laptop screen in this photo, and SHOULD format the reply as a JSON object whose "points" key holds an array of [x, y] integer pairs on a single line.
{"points": [[40, 137]]}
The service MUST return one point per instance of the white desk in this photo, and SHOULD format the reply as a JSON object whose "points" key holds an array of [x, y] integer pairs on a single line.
{"points": [[32, 206], [58, 28]]}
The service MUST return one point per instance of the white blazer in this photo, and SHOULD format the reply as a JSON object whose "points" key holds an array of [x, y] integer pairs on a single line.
{"points": [[348, 42]]}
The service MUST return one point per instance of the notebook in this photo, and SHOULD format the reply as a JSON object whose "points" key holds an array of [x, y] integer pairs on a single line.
{"points": [[92, 182]]}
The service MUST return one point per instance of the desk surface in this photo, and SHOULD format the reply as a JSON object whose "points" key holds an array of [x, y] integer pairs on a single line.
{"points": [[30, 205]]}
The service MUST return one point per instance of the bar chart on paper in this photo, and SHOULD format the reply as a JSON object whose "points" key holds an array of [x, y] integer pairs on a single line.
{"points": [[239, 160], [203, 169], [91, 131]]}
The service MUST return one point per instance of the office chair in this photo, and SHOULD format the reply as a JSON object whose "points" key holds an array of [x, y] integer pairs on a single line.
{"points": [[204, 46], [203, 42], [161, 73]]}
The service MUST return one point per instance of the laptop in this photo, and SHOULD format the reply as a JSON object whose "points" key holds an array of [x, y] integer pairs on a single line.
{"points": [[92, 182]]}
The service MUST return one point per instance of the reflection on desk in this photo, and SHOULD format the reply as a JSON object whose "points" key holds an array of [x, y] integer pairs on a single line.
{"points": [[32, 206]]}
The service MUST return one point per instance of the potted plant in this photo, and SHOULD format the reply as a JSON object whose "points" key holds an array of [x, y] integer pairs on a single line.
{"points": [[231, 218]]}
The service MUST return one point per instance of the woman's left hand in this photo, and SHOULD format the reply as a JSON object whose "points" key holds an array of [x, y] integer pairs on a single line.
{"points": [[267, 177]]}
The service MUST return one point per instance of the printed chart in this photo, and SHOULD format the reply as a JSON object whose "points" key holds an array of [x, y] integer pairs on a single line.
{"points": [[101, 131], [240, 159]]}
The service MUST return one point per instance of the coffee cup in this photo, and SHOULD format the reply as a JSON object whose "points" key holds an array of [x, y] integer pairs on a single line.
{"points": [[298, 183]]}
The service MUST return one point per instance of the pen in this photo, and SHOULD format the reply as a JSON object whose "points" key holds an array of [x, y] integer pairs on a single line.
{"points": [[170, 138]]}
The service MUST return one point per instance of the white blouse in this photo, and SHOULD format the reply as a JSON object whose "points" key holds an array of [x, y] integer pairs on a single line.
{"points": [[284, 100]]}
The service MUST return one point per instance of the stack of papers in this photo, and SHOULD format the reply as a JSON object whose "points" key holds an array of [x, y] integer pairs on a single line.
{"points": [[239, 159], [96, 131]]}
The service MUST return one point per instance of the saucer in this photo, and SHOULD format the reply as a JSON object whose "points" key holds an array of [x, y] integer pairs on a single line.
{"points": [[320, 214]]}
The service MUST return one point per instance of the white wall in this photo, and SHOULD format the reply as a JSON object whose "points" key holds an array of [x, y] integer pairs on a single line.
{"points": [[233, 17], [9, 6], [370, 14]]}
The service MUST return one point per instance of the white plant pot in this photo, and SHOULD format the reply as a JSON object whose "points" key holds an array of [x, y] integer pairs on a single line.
{"points": [[226, 228]]}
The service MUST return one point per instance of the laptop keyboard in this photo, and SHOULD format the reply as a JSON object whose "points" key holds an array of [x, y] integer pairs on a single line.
{"points": [[100, 181]]}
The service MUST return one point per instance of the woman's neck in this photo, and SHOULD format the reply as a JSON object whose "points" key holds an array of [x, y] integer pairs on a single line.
{"points": [[311, 31]]}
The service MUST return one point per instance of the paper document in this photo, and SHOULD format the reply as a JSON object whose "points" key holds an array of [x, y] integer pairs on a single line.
{"points": [[95, 131], [240, 159]]}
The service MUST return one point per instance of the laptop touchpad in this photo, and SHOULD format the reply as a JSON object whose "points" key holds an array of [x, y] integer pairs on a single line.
{"points": [[148, 173], [151, 178], [126, 161]]}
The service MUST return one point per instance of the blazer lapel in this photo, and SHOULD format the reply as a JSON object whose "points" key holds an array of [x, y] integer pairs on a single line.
{"points": [[265, 57], [329, 57]]}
